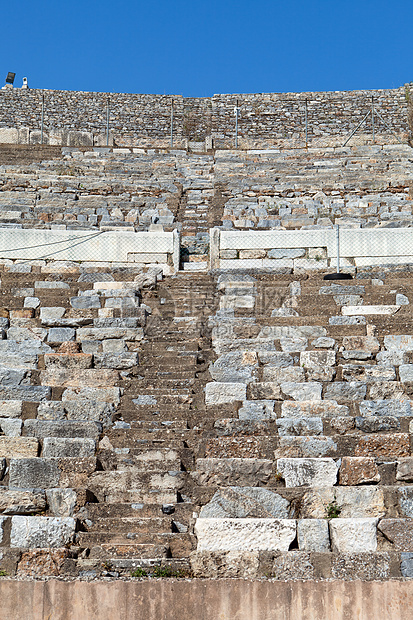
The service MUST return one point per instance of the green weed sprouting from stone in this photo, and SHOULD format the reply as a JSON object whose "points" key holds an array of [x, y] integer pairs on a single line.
{"points": [[3, 573], [333, 510], [139, 572]]}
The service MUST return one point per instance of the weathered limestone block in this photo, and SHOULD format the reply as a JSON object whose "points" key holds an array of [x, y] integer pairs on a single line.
{"points": [[61, 334], [245, 534], [256, 410], [68, 447], [230, 472], [313, 535], [75, 361], [228, 564], [354, 502], [367, 310], [358, 470], [117, 361], [353, 535], [280, 375], [31, 393], [293, 565], [314, 359], [222, 393], [234, 367], [303, 472], [368, 373], [11, 427], [40, 563], [395, 445], [399, 532], [361, 566], [18, 447], [243, 502], [266, 390], [344, 391], [317, 408], [406, 501], [389, 407], [103, 395], [361, 343], [103, 333], [338, 289], [85, 302], [293, 344], [392, 358], [63, 377], [406, 373], [302, 391], [62, 502], [305, 447], [11, 408], [399, 343], [41, 532], [324, 343], [63, 428], [276, 358], [31, 473], [404, 470], [21, 501], [383, 390], [299, 426]]}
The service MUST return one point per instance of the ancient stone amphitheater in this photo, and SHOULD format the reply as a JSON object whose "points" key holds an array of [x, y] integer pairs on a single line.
{"points": [[206, 409]]}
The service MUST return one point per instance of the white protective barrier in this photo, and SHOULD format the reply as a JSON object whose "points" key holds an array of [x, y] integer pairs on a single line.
{"points": [[360, 247], [91, 246]]}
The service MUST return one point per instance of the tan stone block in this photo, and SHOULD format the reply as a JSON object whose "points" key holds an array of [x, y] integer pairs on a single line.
{"points": [[361, 343], [42, 562], [62, 377], [18, 447], [69, 347], [68, 360], [399, 532], [234, 447], [397, 444], [23, 313], [252, 254], [356, 470]]}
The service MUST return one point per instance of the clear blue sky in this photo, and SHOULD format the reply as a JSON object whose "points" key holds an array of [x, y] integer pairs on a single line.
{"points": [[198, 48]]}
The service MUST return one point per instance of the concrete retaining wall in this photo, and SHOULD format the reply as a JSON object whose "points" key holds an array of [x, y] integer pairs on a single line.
{"points": [[94, 246], [206, 600]]}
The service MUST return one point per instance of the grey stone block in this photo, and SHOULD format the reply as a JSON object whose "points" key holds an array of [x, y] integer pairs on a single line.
{"points": [[121, 361], [61, 334], [256, 410], [11, 427], [68, 447], [62, 502], [32, 393], [299, 426], [21, 501], [347, 320], [302, 391], [63, 428], [406, 501], [345, 391], [41, 532], [406, 373], [235, 367], [313, 535], [85, 302], [361, 566], [302, 472], [305, 447], [33, 473], [406, 565], [389, 407], [376, 424], [222, 393], [243, 502], [353, 535]]}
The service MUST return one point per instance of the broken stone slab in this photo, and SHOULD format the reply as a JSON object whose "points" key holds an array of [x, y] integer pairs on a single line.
{"points": [[399, 343], [353, 502], [61, 502], [353, 535], [222, 393], [18, 447], [302, 472], [404, 471], [11, 427], [315, 359], [41, 532], [256, 410], [68, 447], [245, 534], [310, 390], [389, 407], [367, 310], [21, 501], [245, 502], [30, 473], [305, 447], [62, 428], [313, 535], [235, 367], [13, 376], [310, 408], [345, 391], [299, 426], [356, 470], [233, 471]]}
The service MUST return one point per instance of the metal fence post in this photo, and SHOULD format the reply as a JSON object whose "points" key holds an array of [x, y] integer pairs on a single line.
{"points": [[172, 123], [42, 121], [107, 121]]}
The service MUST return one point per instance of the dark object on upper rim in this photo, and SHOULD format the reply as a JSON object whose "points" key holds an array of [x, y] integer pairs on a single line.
{"points": [[10, 77], [338, 276]]}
